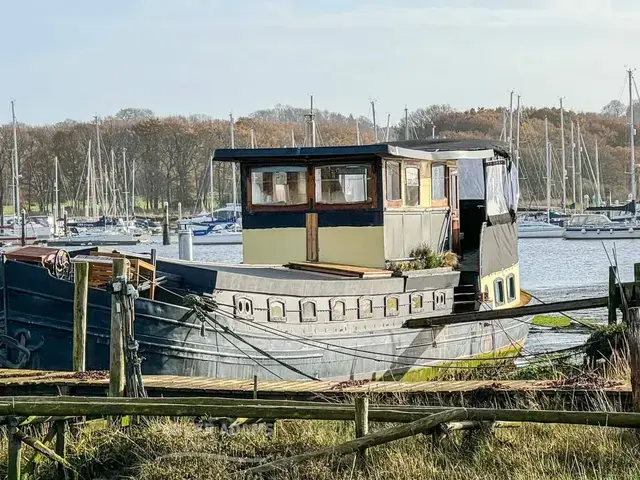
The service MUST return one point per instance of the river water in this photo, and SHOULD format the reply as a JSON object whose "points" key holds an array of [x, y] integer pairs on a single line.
{"points": [[551, 269]]}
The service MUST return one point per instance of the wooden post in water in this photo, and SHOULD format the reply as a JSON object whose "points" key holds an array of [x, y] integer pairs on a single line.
{"points": [[116, 350], [165, 225], [23, 228], [633, 334], [15, 451], [362, 427], [612, 317], [80, 296], [65, 223]]}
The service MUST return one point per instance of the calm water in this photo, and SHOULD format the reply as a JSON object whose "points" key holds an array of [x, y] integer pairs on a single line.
{"points": [[551, 269]]}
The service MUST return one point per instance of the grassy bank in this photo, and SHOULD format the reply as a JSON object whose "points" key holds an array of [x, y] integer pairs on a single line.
{"points": [[171, 450], [558, 321]]}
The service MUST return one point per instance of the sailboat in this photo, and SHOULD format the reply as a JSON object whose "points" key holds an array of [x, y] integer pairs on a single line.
{"points": [[599, 223], [541, 228], [222, 226]]}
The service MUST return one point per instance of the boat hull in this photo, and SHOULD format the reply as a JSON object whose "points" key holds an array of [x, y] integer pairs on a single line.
{"points": [[541, 234], [602, 233], [38, 316]]}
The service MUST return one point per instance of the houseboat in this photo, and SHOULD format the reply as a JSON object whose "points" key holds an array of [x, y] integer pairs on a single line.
{"points": [[328, 279]]}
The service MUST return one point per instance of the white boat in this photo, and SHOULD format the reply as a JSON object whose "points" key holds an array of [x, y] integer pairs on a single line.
{"points": [[539, 229], [595, 226], [96, 237], [218, 235]]}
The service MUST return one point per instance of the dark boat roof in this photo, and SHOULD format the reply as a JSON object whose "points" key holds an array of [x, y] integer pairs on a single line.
{"points": [[418, 149]]}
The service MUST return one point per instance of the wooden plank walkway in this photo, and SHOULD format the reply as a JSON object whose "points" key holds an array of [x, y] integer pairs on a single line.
{"points": [[22, 382]]}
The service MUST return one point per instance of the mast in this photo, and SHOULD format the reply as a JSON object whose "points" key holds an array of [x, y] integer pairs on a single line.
{"points": [[433, 130], [211, 186], [548, 161], [406, 123], [88, 201], [133, 187], [580, 183], [518, 119], [126, 192], [597, 202], [233, 164], [386, 135], [564, 158], [312, 118], [253, 138], [113, 181], [573, 166], [293, 139], [56, 207], [511, 122], [357, 132], [16, 169], [632, 142], [375, 127], [101, 171]]}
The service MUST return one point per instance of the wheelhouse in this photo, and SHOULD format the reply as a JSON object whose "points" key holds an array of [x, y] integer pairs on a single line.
{"points": [[374, 204]]}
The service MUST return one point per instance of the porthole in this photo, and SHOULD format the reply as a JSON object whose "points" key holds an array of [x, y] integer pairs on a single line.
{"points": [[338, 309], [439, 300], [277, 310], [308, 311], [365, 307], [417, 303], [243, 307], [391, 306], [498, 291]]}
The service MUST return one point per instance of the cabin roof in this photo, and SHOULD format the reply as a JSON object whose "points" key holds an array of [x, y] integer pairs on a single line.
{"points": [[414, 149]]}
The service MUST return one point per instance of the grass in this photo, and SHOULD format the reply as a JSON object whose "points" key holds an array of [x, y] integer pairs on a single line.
{"points": [[557, 321], [172, 450]]}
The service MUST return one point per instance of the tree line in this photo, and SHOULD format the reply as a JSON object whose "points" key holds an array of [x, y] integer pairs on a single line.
{"points": [[171, 155]]}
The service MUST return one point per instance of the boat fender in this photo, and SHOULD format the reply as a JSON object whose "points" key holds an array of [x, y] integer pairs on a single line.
{"points": [[583, 231], [630, 229], [598, 231], [611, 230]]}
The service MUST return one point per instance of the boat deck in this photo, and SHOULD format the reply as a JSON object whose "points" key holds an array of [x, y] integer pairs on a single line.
{"points": [[29, 382]]}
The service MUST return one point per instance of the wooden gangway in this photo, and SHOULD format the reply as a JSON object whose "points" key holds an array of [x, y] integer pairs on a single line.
{"points": [[29, 382]]}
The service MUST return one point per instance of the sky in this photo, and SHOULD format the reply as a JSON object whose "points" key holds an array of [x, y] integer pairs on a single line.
{"points": [[73, 59]]}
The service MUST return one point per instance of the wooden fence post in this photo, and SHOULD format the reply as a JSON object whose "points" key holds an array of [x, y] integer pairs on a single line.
{"points": [[15, 451], [116, 342], [633, 329], [362, 427], [80, 296], [165, 225], [612, 317], [61, 444]]}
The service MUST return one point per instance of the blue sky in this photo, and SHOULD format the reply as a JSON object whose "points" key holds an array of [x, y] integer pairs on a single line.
{"points": [[75, 59]]}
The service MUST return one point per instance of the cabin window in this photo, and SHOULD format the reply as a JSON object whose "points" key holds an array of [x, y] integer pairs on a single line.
{"points": [[340, 184], [338, 309], [279, 185], [391, 306], [498, 291], [438, 182], [365, 307], [511, 288], [308, 310], [393, 181], [412, 186], [277, 311]]}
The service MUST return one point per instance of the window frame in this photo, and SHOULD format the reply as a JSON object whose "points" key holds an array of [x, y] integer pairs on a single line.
{"points": [[511, 293], [414, 166], [372, 192], [311, 204], [440, 202], [499, 282], [251, 207], [393, 202]]}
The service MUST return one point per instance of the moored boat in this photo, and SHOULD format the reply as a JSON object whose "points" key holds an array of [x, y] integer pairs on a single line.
{"points": [[315, 297]]}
